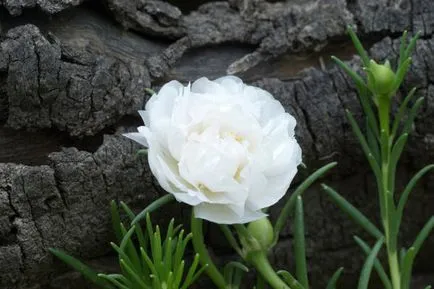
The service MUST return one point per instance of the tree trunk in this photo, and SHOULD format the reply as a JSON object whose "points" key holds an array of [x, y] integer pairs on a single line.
{"points": [[74, 73]]}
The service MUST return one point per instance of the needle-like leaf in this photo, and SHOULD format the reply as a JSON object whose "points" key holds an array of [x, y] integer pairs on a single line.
{"points": [[299, 244], [401, 111], [152, 207], [359, 47], [355, 214], [369, 263], [377, 265], [334, 279], [289, 205]]}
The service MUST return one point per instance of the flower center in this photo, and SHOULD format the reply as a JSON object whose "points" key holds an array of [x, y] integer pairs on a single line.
{"points": [[205, 190], [237, 175], [233, 135]]}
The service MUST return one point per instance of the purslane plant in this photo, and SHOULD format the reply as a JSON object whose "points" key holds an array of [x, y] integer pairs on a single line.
{"points": [[225, 148], [254, 241], [228, 150], [383, 144], [146, 259]]}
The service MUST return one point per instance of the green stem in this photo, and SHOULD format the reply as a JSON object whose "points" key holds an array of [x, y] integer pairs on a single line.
{"points": [[152, 207], [384, 114], [261, 263], [394, 268], [388, 206], [390, 235], [205, 259]]}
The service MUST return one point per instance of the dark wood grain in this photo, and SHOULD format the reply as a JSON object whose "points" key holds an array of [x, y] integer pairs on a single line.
{"points": [[72, 80]]}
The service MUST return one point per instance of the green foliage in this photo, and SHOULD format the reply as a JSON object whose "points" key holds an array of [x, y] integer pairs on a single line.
{"points": [[152, 207], [150, 258], [262, 230], [412, 252], [334, 279], [381, 78], [383, 146], [233, 274], [85, 270], [353, 212], [377, 265], [250, 243], [299, 244], [147, 259], [199, 246], [290, 280], [369, 264], [290, 203]]}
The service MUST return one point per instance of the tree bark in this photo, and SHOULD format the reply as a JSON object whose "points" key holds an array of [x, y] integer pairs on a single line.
{"points": [[72, 81]]}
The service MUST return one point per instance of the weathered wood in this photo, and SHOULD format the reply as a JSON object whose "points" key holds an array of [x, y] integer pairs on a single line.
{"points": [[31, 148], [273, 28], [62, 90], [153, 17], [16, 7], [79, 73]]}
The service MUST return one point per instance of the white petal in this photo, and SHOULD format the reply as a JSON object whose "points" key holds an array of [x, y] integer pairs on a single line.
{"points": [[291, 125], [277, 185], [222, 214], [161, 104], [258, 193], [176, 141], [204, 85], [158, 171], [137, 137], [286, 156], [232, 84], [187, 198], [145, 116], [213, 162], [281, 148], [275, 189], [141, 137], [168, 168], [256, 94], [270, 110], [277, 127], [279, 168], [165, 170], [160, 110]]}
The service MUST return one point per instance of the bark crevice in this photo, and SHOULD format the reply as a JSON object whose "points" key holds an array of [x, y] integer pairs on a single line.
{"points": [[71, 83]]}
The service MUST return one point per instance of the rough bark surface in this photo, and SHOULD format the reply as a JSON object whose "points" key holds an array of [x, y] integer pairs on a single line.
{"points": [[16, 7], [72, 82], [80, 96]]}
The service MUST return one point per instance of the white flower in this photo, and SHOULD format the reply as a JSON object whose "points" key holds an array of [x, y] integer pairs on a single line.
{"points": [[223, 147]]}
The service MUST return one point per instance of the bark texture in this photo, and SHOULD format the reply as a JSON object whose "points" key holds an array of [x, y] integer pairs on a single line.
{"points": [[74, 73]]}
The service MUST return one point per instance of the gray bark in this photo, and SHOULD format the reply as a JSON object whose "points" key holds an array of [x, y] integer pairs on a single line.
{"points": [[16, 7], [71, 83]]}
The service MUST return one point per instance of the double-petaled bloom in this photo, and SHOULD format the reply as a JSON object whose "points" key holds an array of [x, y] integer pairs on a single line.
{"points": [[223, 147]]}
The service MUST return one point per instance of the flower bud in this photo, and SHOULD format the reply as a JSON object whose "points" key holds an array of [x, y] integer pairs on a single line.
{"points": [[381, 78], [262, 230]]}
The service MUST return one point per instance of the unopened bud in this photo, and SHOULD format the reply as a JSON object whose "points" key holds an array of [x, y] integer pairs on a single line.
{"points": [[262, 230], [381, 78]]}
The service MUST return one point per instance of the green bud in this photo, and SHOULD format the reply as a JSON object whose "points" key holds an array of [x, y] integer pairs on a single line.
{"points": [[262, 230], [381, 78]]}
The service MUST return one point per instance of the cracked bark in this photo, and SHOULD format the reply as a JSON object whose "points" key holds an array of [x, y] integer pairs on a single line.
{"points": [[16, 7], [71, 83]]}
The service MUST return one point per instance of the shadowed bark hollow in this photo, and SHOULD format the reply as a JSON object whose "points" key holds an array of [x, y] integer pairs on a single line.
{"points": [[74, 73]]}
